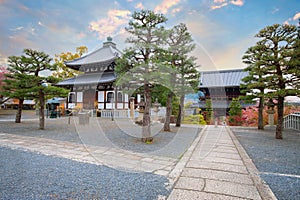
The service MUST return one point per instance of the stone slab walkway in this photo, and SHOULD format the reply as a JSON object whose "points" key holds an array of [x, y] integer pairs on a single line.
{"points": [[112, 157], [217, 167]]}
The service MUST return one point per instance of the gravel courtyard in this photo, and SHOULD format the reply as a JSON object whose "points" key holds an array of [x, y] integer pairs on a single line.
{"points": [[26, 175], [31, 175], [278, 161]]}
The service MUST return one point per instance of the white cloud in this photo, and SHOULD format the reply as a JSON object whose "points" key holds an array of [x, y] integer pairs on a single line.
{"points": [[237, 2], [176, 10], [165, 5], [217, 4], [17, 28], [41, 24], [110, 25], [116, 3], [219, 1], [275, 10]]}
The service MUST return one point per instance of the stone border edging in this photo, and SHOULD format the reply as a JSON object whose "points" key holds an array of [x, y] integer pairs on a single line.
{"points": [[263, 189], [177, 170]]}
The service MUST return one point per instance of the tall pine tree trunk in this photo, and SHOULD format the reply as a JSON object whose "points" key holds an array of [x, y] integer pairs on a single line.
{"points": [[146, 132], [19, 111], [168, 112], [260, 114], [180, 111], [42, 107], [279, 127]]}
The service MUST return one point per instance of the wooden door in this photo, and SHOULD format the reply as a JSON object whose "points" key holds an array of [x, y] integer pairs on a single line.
{"points": [[89, 97]]}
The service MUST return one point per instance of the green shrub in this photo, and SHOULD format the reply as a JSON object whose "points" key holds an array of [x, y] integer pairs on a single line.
{"points": [[194, 119]]}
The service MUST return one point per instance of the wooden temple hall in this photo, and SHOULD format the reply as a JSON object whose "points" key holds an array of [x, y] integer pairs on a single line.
{"points": [[94, 88]]}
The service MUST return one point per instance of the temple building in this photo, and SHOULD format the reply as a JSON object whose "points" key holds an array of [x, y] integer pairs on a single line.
{"points": [[221, 86], [94, 88]]}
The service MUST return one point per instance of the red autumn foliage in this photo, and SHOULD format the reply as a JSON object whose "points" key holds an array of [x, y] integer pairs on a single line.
{"points": [[250, 115], [3, 71]]}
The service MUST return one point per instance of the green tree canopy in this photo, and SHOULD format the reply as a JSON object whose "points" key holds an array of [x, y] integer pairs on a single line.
{"points": [[184, 77], [276, 59], [254, 84], [138, 64], [26, 82], [235, 112]]}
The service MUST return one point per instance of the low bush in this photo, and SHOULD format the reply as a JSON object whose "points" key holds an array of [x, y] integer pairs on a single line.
{"points": [[194, 119]]}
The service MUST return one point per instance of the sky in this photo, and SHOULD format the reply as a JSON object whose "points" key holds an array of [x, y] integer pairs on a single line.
{"points": [[221, 29]]}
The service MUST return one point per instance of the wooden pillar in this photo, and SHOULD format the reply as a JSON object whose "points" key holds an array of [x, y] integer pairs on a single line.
{"points": [[116, 97], [105, 99]]}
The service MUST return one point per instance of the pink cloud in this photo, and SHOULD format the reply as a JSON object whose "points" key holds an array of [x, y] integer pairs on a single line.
{"points": [[296, 16], [165, 5], [110, 25], [139, 6], [81, 35]]}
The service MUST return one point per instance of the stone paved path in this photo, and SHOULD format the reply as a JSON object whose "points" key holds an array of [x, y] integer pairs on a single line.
{"points": [[216, 167], [113, 157]]}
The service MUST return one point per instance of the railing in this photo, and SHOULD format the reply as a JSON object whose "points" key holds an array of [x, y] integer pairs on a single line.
{"points": [[292, 121], [115, 114]]}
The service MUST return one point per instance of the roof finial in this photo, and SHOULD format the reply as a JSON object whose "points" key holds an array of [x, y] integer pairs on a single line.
{"points": [[109, 42]]}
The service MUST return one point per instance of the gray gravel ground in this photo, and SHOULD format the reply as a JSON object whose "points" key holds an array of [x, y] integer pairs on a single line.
{"points": [[278, 161], [26, 175], [59, 129]]}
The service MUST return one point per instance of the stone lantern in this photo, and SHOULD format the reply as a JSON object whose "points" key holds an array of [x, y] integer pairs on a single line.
{"points": [[156, 109], [132, 107], [270, 112], [141, 110]]}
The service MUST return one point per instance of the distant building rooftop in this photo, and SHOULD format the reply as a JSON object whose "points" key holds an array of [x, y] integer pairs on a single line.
{"points": [[222, 78]]}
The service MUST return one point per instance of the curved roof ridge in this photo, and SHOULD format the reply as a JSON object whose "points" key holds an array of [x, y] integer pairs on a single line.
{"points": [[103, 54]]}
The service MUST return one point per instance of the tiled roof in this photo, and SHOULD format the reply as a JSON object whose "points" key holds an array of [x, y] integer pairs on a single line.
{"points": [[91, 78], [222, 78], [106, 53]]}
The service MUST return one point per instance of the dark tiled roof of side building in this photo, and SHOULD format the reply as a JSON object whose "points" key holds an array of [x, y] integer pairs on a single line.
{"points": [[221, 78]]}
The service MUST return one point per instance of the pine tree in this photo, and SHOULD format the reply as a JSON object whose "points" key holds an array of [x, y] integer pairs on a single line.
{"points": [[273, 64], [138, 62], [235, 112], [25, 81], [282, 69], [185, 77], [255, 83], [209, 114]]}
